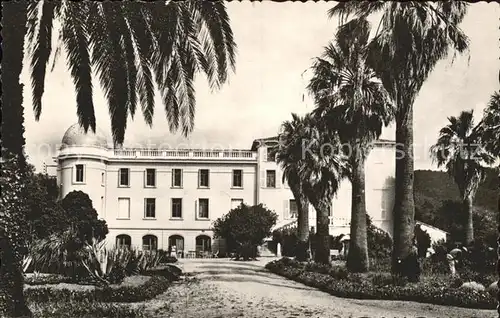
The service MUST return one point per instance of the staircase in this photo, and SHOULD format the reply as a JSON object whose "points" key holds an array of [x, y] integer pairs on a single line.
{"points": [[265, 252]]}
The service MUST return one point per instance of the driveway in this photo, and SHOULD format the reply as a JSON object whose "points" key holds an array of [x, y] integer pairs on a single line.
{"points": [[224, 288]]}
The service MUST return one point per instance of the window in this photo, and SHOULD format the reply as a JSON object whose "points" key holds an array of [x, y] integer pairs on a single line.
{"points": [[203, 209], [236, 203], [177, 178], [124, 174], [294, 210], [123, 208], [150, 210], [149, 243], [103, 179], [123, 241], [203, 178], [150, 178], [176, 208], [270, 156], [79, 176], [176, 242], [237, 178], [203, 243], [271, 178]]}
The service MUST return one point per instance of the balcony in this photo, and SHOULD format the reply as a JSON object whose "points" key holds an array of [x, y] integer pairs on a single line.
{"points": [[245, 155]]}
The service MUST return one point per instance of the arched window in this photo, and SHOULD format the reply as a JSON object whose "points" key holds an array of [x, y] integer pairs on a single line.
{"points": [[203, 243], [123, 241], [149, 243], [177, 241]]}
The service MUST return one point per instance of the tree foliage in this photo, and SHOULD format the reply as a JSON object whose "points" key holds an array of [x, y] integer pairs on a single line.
{"points": [[245, 228], [82, 217], [131, 46]]}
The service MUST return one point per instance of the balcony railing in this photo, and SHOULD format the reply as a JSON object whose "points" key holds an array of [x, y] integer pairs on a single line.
{"points": [[333, 221], [195, 154]]}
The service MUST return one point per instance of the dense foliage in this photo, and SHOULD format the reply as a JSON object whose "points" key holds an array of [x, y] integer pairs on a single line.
{"points": [[245, 228], [437, 203], [81, 216], [13, 235], [125, 294], [338, 282]]}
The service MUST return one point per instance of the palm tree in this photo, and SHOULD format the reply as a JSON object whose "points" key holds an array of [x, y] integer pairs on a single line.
{"points": [[459, 149], [131, 47], [320, 169], [491, 125], [411, 38], [290, 159], [491, 134], [354, 104]]}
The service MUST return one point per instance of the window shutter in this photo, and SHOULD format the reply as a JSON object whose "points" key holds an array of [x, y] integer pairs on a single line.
{"points": [[173, 173], [286, 209], [145, 177], [195, 209], [263, 179], [278, 178]]}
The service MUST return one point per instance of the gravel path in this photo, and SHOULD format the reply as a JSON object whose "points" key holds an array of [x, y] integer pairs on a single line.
{"points": [[223, 288]]}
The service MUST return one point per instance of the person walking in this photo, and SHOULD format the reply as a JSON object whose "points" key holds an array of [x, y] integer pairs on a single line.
{"points": [[453, 257]]}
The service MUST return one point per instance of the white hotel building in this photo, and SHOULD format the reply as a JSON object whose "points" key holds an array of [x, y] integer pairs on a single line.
{"points": [[157, 198]]}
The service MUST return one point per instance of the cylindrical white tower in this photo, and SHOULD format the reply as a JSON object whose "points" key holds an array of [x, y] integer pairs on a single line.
{"points": [[82, 162]]}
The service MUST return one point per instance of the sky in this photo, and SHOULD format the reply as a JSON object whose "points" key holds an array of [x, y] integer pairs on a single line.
{"points": [[276, 45]]}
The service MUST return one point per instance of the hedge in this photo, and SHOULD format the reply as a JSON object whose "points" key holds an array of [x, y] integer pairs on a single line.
{"points": [[357, 288], [126, 294], [71, 309]]}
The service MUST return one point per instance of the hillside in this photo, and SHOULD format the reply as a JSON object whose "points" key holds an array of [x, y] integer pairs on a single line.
{"points": [[439, 186], [437, 202]]}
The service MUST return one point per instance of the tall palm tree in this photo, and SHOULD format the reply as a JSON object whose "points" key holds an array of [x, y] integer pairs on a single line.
{"points": [[290, 159], [460, 151], [491, 134], [491, 125], [354, 104], [130, 46], [320, 169], [411, 38]]}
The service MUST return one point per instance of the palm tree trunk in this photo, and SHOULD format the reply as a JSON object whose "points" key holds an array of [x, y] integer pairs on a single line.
{"points": [[14, 30], [404, 206], [302, 227], [357, 258], [12, 303], [469, 227], [322, 253], [498, 245]]}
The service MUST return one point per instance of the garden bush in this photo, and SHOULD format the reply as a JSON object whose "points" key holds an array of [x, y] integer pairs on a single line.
{"points": [[71, 309], [358, 287], [127, 294], [46, 279]]}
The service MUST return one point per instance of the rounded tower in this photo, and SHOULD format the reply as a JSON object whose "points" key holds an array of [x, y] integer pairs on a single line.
{"points": [[82, 163]]}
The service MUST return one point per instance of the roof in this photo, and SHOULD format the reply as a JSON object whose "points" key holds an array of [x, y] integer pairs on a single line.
{"points": [[257, 143], [75, 136], [430, 226]]}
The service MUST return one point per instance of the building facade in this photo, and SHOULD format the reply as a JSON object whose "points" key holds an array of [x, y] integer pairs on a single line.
{"points": [[159, 198]]}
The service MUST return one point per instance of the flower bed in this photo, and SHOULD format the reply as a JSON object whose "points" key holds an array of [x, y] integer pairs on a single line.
{"points": [[124, 294], [337, 282], [71, 309]]}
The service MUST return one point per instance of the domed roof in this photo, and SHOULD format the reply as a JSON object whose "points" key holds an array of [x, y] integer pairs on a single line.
{"points": [[76, 136]]}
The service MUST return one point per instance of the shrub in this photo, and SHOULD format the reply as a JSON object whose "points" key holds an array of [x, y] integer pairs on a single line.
{"points": [[379, 241], [387, 279], [71, 309], [244, 228], [356, 286], [126, 294], [46, 279]]}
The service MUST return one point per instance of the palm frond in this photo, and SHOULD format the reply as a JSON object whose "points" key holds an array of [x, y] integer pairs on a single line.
{"points": [[76, 44]]}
